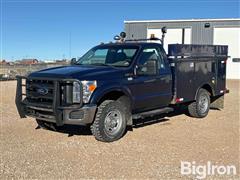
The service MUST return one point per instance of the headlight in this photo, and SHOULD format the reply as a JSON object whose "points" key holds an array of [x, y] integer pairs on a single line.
{"points": [[76, 92], [88, 89]]}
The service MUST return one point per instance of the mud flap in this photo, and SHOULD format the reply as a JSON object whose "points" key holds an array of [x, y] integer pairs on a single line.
{"points": [[217, 102], [130, 121]]}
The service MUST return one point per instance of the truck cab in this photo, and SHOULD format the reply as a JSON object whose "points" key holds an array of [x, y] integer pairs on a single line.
{"points": [[112, 84]]}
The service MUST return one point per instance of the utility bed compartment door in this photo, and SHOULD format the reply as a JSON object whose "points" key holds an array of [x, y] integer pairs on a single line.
{"points": [[221, 76], [184, 86], [190, 75]]}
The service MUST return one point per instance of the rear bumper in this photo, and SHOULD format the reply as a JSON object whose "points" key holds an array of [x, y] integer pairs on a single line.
{"points": [[74, 114]]}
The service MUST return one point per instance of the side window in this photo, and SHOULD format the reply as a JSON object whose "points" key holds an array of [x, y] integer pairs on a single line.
{"points": [[153, 53], [148, 62], [149, 54]]}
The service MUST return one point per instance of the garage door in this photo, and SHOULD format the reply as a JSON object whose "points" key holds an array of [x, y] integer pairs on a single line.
{"points": [[172, 36], [230, 37]]}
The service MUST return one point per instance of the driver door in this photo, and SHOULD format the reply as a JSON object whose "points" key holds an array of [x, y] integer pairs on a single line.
{"points": [[151, 91]]}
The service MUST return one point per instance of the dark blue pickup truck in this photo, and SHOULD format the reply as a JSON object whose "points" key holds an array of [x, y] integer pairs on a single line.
{"points": [[114, 83]]}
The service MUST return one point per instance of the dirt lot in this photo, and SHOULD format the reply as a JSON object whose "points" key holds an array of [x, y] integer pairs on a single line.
{"points": [[151, 150]]}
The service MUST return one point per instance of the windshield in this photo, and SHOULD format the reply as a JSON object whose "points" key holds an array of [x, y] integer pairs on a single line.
{"points": [[119, 56]]}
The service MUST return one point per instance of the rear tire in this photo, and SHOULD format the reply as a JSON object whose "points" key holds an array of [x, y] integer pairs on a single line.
{"points": [[200, 107], [110, 121]]}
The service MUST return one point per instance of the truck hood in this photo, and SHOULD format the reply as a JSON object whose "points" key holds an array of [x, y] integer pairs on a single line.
{"points": [[79, 72]]}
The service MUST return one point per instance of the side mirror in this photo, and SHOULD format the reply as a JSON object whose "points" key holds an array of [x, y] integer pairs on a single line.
{"points": [[73, 61], [148, 69]]}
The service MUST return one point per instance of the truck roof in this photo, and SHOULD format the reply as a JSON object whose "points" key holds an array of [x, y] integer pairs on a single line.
{"points": [[142, 44]]}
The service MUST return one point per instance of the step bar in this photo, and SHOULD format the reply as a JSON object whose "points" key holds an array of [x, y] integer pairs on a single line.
{"points": [[152, 113]]}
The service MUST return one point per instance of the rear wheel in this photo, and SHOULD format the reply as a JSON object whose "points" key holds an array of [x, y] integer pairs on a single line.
{"points": [[110, 121], [200, 107]]}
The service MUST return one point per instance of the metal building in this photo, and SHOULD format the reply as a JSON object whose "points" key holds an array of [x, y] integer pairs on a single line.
{"points": [[194, 31]]}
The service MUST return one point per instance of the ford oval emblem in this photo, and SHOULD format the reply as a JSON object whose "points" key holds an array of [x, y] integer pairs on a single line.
{"points": [[42, 91]]}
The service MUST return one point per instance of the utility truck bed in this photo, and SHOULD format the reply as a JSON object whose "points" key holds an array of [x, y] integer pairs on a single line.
{"points": [[194, 65]]}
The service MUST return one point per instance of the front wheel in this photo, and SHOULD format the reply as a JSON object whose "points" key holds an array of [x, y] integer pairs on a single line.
{"points": [[110, 121], [200, 107]]}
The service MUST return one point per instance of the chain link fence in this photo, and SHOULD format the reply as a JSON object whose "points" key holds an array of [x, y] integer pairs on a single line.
{"points": [[9, 72]]}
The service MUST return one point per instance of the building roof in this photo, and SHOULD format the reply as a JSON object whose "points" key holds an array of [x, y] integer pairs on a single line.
{"points": [[182, 20], [27, 60]]}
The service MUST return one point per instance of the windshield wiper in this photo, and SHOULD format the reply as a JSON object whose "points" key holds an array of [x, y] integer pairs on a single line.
{"points": [[101, 64], [96, 64]]}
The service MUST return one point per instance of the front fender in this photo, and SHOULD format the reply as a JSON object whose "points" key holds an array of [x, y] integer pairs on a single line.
{"points": [[103, 90]]}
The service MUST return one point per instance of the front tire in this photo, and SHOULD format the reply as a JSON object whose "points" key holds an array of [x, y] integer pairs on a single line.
{"points": [[110, 121], [201, 106]]}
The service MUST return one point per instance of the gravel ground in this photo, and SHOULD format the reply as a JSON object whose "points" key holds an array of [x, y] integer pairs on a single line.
{"points": [[152, 150]]}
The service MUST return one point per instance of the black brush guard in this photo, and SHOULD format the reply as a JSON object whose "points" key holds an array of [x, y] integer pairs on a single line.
{"points": [[56, 106]]}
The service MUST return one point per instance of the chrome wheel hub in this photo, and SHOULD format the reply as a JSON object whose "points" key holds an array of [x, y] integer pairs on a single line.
{"points": [[203, 103], [113, 122]]}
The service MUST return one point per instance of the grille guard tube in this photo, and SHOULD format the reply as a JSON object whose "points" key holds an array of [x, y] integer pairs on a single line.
{"points": [[56, 106], [56, 103], [18, 98]]}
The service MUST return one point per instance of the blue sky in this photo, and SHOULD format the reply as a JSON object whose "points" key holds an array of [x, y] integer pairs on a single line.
{"points": [[42, 29]]}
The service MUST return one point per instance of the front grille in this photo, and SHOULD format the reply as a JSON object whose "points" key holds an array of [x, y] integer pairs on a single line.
{"points": [[40, 92]]}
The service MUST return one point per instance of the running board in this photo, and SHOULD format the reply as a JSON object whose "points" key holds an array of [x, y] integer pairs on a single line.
{"points": [[152, 113]]}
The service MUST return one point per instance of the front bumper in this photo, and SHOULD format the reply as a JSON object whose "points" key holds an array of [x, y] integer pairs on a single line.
{"points": [[83, 116], [55, 113]]}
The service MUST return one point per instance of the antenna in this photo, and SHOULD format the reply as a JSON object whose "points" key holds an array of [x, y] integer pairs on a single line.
{"points": [[70, 45], [164, 31]]}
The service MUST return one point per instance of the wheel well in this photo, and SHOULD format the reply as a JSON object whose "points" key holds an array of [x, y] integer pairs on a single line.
{"points": [[208, 88], [113, 95]]}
